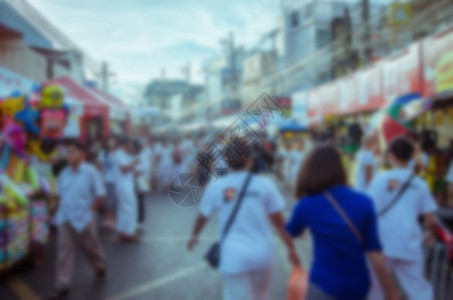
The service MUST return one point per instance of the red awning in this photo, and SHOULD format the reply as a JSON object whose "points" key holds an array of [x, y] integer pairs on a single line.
{"points": [[92, 105], [111, 99]]}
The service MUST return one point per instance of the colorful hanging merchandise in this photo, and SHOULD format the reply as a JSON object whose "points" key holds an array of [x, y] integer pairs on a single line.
{"points": [[26, 129]]}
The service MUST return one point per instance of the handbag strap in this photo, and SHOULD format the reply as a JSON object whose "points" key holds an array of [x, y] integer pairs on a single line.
{"points": [[398, 196], [344, 216], [236, 207]]}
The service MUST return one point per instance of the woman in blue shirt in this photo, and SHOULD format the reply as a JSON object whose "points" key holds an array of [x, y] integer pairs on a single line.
{"points": [[344, 229]]}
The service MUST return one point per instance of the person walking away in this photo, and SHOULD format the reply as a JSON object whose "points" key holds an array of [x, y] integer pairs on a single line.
{"points": [[81, 191], [107, 157], [146, 158], [284, 161], [247, 252], [366, 163], [221, 166], [343, 224], [141, 180], [400, 198], [126, 165], [165, 164]]}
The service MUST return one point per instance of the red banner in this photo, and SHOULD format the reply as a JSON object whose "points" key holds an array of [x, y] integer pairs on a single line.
{"points": [[402, 73], [371, 88]]}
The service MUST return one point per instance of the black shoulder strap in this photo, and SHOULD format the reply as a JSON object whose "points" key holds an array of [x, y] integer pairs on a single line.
{"points": [[398, 196], [344, 216], [236, 207]]}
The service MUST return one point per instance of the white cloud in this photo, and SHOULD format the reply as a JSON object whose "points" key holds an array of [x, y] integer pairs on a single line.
{"points": [[141, 37]]}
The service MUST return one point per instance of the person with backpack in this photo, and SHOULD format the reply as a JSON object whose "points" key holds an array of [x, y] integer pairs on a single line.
{"points": [[343, 225], [247, 204], [400, 198]]}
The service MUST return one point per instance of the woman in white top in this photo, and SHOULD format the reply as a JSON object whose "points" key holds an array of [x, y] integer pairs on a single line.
{"points": [[297, 158], [284, 157], [247, 252], [165, 163], [126, 165]]}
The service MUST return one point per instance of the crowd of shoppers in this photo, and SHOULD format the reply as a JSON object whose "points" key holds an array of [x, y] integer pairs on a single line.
{"points": [[361, 235]]}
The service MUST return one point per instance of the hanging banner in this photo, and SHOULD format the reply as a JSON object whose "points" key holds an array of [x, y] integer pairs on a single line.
{"points": [[438, 64], [11, 82], [401, 74]]}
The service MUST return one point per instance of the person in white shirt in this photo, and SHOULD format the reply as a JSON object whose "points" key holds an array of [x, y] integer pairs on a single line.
{"points": [[400, 198], [81, 192], [247, 252], [165, 163], [221, 167], [420, 161], [106, 159], [142, 178], [366, 163], [126, 167], [297, 158], [284, 159], [146, 158]]}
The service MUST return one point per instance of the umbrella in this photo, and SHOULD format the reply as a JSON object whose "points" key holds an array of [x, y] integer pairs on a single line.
{"points": [[397, 115], [292, 125]]}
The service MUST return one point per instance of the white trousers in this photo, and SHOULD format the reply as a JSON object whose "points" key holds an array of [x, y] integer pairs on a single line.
{"points": [[126, 221], [252, 285], [411, 277]]}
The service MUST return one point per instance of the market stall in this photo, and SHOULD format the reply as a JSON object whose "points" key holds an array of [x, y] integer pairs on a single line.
{"points": [[120, 115], [29, 132], [95, 117]]}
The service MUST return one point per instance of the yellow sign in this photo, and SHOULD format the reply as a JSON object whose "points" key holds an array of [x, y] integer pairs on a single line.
{"points": [[400, 13], [444, 73]]}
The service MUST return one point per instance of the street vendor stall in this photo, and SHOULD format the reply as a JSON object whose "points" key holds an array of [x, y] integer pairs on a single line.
{"points": [[120, 114], [95, 118]]}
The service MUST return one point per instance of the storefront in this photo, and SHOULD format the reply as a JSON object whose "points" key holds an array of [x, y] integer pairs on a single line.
{"points": [[120, 115], [94, 120], [11, 82]]}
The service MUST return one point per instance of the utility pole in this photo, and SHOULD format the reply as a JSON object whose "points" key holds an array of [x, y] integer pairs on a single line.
{"points": [[104, 76], [366, 34], [231, 54], [186, 72]]}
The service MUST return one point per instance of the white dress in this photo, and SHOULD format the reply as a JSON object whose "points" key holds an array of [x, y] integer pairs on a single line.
{"points": [[127, 198], [166, 164]]}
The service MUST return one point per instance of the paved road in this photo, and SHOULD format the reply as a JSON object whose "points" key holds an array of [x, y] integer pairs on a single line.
{"points": [[158, 268]]}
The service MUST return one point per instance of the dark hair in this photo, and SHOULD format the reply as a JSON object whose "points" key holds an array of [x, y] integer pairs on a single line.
{"points": [[79, 146], [238, 152], [322, 169], [402, 148], [123, 140], [137, 146]]}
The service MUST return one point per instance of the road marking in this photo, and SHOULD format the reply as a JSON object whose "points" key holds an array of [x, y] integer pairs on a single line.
{"points": [[159, 282], [21, 289]]}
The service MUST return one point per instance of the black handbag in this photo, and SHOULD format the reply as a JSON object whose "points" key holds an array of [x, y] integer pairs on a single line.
{"points": [[213, 254]]}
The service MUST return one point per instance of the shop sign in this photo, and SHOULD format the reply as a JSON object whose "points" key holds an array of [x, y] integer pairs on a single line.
{"points": [[438, 64], [400, 13], [401, 73], [11, 82]]}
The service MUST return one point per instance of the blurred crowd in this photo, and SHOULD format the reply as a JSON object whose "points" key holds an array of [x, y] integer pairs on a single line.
{"points": [[365, 224]]}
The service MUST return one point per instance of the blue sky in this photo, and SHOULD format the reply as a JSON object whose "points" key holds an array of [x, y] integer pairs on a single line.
{"points": [[141, 37]]}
